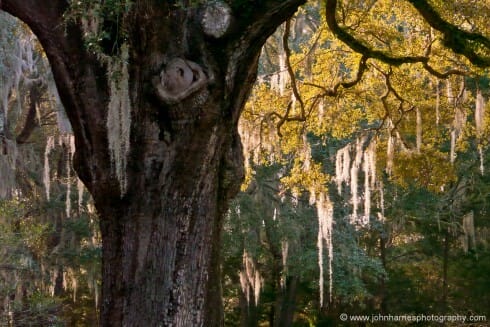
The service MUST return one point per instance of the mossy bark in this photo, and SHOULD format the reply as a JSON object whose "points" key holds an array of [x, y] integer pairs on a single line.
{"points": [[162, 237]]}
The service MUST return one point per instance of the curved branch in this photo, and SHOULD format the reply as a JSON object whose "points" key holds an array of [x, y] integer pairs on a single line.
{"points": [[443, 75], [358, 46], [454, 38], [80, 78], [35, 13], [268, 13], [458, 40], [346, 85], [243, 44], [287, 51]]}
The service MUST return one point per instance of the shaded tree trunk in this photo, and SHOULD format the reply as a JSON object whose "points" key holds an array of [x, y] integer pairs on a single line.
{"points": [[31, 122], [249, 315], [288, 303], [445, 261], [382, 285], [283, 308], [161, 235]]}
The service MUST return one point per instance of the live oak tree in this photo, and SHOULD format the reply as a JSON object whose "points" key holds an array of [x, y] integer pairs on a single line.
{"points": [[154, 91], [161, 183]]}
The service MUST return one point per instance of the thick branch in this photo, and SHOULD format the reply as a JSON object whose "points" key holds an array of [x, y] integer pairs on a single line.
{"points": [[245, 43], [80, 78], [358, 46], [458, 40], [271, 11], [35, 13]]}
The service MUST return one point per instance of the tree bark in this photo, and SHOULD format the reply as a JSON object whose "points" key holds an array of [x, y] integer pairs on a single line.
{"points": [[161, 237], [445, 261], [288, 303], [31, 122], [382, 285], [249, 313]]}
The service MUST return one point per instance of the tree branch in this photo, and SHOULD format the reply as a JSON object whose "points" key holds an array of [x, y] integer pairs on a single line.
{"points": [[287, 51], [35, 13], [254, 24], [458, 40], [358, 46], [443, 75], [334, 90], [454, 38], [31, 122], [80, 78]]}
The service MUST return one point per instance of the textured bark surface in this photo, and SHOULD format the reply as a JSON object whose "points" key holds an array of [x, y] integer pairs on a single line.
{"points": [[161, 239]]}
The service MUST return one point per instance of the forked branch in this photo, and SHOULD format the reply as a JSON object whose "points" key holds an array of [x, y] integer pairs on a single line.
{"points": [[459, 41]]}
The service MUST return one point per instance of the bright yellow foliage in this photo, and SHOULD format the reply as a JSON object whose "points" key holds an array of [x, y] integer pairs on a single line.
{"points": [[430, 118]]}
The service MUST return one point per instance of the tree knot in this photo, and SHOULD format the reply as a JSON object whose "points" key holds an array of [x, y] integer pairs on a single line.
{"points": [[178, 80]]}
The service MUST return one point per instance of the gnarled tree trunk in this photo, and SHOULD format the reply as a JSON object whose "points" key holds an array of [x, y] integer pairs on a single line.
{"points": [[190, 70]]}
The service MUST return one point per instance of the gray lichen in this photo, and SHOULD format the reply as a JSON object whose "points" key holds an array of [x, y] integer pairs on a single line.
{"points": [[216, 19], [119, 116]]}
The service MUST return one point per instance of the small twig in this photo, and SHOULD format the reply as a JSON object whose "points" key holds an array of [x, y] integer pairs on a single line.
{"points": [[334, 90]]}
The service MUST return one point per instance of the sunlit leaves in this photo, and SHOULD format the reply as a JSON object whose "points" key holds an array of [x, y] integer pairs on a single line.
{"points": [[391, 26], [429, 169], [429, 118], [306, 178]]}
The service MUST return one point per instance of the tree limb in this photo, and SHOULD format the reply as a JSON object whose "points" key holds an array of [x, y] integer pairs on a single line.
{"points": [[287, 51], [334, 90], [31, 122], [358, 46], [458, 40], [80, 77], [252, 29], [35, 13], [454, 38]]}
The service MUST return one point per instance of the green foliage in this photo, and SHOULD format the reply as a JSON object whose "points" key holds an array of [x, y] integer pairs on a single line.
{"points": [[38, 309], [105, 29], [416, 254], [428, 169], [35, 253]]}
